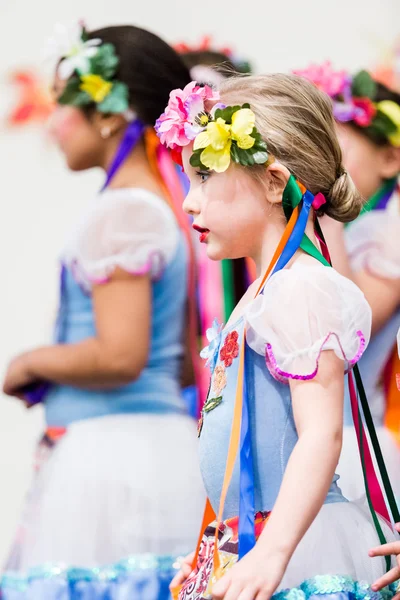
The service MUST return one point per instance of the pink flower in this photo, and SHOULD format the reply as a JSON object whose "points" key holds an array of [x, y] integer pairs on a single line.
{"points": [[325, 78], [178, 125]]}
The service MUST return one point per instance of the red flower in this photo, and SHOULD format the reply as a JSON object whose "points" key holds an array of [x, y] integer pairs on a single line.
{"points": [[366, 111], [230, 349]]}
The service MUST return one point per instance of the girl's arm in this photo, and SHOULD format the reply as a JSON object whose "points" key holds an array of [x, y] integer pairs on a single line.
{"points": [[382, 294], [115, 356], [318, 413]]}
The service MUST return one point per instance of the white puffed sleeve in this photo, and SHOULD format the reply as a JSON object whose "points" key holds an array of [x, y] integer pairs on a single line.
{"points": [[302, 312], [128, 228], [372, 241]]}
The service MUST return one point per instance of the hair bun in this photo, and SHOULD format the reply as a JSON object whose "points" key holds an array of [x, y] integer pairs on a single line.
{"points": [[344, 200]]}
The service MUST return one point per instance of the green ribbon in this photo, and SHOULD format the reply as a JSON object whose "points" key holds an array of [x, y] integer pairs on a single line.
{"points": [[229, 288]]}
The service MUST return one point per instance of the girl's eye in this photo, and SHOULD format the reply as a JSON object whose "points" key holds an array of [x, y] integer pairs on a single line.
{"points": [[203, 175]]}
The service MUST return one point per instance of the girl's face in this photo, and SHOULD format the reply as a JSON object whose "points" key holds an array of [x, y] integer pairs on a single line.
{"points": [[229, 209], [75, 134], [368, 164]]}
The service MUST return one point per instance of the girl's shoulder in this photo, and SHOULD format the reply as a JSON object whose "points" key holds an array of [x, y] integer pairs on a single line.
{"points": [[303, 311], [130, 228]]}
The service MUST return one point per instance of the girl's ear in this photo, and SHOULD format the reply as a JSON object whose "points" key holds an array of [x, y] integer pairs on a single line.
{"points": [[108, 125], [277, 177]]}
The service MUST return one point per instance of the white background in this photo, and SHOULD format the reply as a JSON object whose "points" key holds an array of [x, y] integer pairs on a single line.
{"points": [[39, 199]]}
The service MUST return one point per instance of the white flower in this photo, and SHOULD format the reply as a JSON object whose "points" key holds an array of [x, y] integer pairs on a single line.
{"points": [[214, 337], [67, 43]]}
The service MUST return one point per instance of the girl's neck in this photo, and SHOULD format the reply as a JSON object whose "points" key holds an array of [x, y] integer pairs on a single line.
{"points": [[135, 171], [271, 238]]}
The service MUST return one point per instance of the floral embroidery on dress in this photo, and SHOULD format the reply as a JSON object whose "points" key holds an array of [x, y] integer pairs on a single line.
{"points": [[208, 406], [210, 352], [219, 379], [230, 349]]}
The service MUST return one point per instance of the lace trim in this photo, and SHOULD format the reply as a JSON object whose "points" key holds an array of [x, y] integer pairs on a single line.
{"points": [[283, 376]]}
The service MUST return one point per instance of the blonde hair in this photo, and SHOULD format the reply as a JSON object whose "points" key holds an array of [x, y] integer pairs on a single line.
{"points": [[295, 120]]}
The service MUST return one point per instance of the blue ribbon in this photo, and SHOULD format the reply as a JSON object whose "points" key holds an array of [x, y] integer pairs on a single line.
{"points": [[293, 243], [246, 527], [246, 531]]}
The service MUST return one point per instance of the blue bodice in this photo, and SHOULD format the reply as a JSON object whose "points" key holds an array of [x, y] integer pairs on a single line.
{"points": [[273, 430], [158, 387]]}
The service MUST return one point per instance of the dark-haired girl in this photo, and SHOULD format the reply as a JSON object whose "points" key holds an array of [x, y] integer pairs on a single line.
{"points": [[110, 488]]}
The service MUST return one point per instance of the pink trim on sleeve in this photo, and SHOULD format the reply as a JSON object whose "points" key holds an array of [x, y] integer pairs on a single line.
{"points": [[284, 376]]}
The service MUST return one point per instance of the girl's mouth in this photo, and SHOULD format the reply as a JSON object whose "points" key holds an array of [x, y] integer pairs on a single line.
{"points": [[203, 233]]}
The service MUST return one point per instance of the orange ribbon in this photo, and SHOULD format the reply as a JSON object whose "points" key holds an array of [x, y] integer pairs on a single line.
{"points": [[209, 514]]}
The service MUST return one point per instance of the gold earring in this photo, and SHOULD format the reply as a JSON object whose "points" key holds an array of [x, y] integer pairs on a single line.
{"points": [[105, 132]]}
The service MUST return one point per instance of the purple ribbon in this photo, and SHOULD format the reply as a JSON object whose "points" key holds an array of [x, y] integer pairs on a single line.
{"points": [[132, 135]]}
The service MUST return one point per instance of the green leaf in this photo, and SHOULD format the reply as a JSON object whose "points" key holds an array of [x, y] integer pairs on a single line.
{"points": [[260, 157], [195, 160], [212, 403], [85, 36], [234, 154], [363, 86], [226, 113], [245, 105], [105, 62], [243, 157], [117, 100], [383, 124], [243, 67], [260, 145], [73, 95]]}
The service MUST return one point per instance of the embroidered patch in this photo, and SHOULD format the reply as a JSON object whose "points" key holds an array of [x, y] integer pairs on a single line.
{"points": [[212, 403], [230, 349], [209, 405], [219, 379]]}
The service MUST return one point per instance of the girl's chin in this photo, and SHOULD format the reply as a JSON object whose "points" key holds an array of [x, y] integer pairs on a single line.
{"points": [[214, 253]]}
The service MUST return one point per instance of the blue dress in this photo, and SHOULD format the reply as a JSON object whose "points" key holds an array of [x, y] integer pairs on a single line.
{"points": [[103, 518], [303, 311]]}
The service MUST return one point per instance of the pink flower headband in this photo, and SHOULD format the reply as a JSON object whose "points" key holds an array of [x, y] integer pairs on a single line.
{"points": [[354, 100], [219, 133]]}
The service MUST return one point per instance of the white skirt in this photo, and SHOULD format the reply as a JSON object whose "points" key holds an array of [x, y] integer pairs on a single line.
{"points": [[113, 487], [337, 544], [349, 469]]}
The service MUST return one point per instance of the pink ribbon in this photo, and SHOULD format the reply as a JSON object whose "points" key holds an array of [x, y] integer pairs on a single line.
{"points": [[378, 500], [319, 200]]}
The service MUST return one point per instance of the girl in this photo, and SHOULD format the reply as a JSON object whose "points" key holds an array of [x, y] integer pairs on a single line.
{"points": [[367, 251], [276, 400], [111, 487]]}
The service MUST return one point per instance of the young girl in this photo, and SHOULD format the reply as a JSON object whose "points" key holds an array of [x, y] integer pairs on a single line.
{"points": [[220, 285], [111, 490], [368, 251], [265, 153]]}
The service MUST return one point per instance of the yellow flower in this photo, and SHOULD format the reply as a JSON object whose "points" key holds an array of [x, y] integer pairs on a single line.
{"points": [[392, 111], [243, 122], [95, 86], [216, 141], [217, 160]]}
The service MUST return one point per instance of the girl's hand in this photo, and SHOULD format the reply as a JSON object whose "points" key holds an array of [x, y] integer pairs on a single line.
{"points": [[394, 574], [183, 574], [255, 577], [18, 376]]}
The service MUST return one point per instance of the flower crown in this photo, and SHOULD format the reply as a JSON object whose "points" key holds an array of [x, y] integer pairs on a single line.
{"points": [[354, 100], [219, 133], [90, 67], [206, 45]]}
